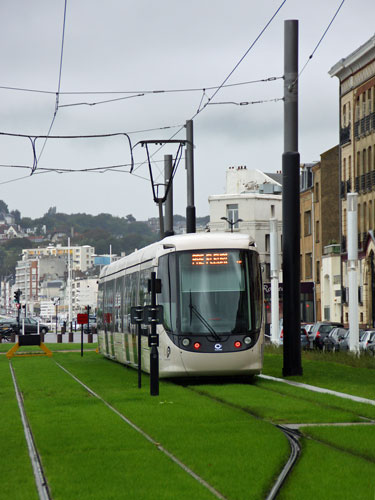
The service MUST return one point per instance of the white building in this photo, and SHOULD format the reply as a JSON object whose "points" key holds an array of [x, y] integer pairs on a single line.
{"points": [[252, 198], [84, 293], [82, 257]]}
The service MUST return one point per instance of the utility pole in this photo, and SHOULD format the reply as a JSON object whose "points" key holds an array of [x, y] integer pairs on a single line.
{"points": [[190, 209], [352, 227], [291, 207], [168, 225], [274, 251]]}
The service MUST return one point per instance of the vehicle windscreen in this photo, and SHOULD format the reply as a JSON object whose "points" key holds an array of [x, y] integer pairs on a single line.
{"points": [[217, 292]]}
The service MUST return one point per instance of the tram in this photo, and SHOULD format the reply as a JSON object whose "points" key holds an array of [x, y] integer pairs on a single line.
{"points": [[212, 298]]}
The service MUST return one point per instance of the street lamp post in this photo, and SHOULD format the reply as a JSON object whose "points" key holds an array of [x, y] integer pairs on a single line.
{"points": [[231, 223]]}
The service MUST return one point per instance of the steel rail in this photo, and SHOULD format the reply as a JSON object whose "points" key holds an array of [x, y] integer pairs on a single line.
{"points": [[161, 448], [40, 478]]}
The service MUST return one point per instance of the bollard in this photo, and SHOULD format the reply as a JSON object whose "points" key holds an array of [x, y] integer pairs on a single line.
{"points": [[89, 338], [12, 337], [59, 338], [70, 337], [42, 337]]}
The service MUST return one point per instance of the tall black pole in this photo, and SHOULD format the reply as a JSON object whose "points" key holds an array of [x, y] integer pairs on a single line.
{"points": [[153, 340], [291, 207], [190, 208], [168, 226]]}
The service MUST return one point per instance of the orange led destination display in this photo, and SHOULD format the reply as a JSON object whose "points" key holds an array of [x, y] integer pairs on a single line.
{"points": [[209, 259]]}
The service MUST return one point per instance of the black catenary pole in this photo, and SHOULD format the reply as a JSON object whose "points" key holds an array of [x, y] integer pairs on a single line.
{"points": [[190, 208], [291, 207], [154, 341]]}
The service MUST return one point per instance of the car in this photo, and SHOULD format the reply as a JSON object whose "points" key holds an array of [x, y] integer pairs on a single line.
{"points": [[320, 331], [366, 339], [344, 344], [30, 325], [333, 339], [305, 341]]}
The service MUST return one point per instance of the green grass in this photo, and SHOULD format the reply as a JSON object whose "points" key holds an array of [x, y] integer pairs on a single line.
{"points": [[17, 478], [358, 440], [325, 473], [87, 451], [322, 369], [288, 405], [196, 429]]}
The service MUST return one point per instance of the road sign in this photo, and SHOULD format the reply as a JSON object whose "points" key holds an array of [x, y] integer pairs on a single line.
{"points": [[82, 319]]}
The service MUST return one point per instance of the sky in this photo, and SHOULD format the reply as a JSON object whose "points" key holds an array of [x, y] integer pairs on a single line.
{"points": [[126, 52]]}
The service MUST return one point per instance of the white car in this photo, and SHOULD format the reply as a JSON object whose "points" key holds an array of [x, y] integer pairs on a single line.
{"points": [[366, 338]]}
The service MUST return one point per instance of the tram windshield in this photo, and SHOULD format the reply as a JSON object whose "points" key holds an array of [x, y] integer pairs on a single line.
{"points": [[211, 292]]}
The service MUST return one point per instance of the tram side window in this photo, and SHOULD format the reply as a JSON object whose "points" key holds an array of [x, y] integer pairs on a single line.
{"points": [[108, 305], [167, 273], [126, 298], [99, 313], [256, 288], [144, 296], [117, 311]]}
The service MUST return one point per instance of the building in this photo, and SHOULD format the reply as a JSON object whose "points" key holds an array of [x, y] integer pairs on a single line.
{"points": [[356, 74], [251, 199], [82, 257]]}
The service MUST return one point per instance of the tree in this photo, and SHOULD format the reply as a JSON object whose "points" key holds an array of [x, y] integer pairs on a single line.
{"points": [[4, 207], [130, 218], [17, 216]]}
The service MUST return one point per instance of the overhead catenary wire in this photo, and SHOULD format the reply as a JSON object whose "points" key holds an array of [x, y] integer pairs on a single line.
{"points": [[37, 158], [319, 42]]}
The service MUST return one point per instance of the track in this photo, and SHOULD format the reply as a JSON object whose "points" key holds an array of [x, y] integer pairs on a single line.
{"points": [[40, 478], [291, 431]]}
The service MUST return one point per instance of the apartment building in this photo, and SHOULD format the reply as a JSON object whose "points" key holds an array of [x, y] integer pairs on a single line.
{"points": [[82, 257], [356, 74]]}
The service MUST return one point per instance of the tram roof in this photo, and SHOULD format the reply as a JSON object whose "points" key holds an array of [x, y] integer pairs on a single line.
{"points": [[180, 242]]}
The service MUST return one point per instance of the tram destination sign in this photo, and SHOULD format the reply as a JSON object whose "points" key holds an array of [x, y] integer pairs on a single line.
{"points": [[209, 259]]}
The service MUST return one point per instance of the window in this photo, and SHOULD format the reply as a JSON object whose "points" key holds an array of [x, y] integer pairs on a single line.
{"points": [[344, 115], [232, 215], [308, 265], [317, 231], [317, 279], [307, 223], [267, 243], [316, 193]]}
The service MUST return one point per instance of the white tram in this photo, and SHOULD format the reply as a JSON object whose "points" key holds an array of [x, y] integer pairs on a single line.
{"points": [[212, 302]]}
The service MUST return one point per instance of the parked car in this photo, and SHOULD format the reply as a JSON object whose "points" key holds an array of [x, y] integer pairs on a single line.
{"points": [[305, 341], [5, 326], [30, 326], [333, 339], [320, 331], [344, 344], [366, 339]]}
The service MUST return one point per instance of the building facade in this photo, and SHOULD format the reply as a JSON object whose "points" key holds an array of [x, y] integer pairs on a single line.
{"points": [[356, 74]]}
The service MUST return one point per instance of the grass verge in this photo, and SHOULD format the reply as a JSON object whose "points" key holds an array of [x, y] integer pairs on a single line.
{"points": [[322, 369]]}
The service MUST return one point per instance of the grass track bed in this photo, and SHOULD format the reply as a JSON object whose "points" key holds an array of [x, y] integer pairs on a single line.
{"points": [[327, 474], [13, 445], [208, 437], [86, 450]]}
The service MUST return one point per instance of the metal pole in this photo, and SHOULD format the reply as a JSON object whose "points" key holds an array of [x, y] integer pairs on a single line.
{"points": [[161, 219], [139, 355], [274, 251], [168, 225], [352, 227], [81, 340], [154, 355], [291, 207], [190, 209], [290, 86]]}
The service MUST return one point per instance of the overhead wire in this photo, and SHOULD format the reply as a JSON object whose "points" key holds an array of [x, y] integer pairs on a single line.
{"points": [[317, 45], [37, 159]]}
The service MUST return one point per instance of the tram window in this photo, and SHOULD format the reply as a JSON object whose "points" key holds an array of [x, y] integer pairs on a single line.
{"points": [[108, 305], [117, 308], [167, 273]]}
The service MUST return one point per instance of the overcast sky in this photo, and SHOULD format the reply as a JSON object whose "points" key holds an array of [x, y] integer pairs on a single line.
{"points": [[141, 45]]}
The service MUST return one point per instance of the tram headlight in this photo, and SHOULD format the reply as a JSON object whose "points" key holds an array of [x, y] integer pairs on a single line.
{"points": [[185, 342], [247, 340]]}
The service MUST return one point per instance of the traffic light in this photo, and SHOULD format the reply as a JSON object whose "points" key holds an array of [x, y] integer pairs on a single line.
{"points": [[17, 295]]}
